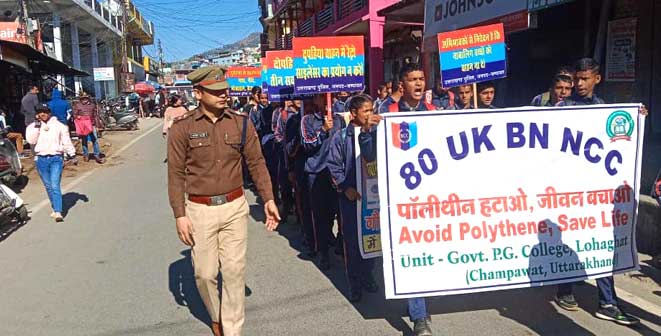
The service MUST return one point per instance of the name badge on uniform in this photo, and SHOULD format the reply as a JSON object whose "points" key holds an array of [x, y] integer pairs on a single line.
{"points": [[198, 135]]}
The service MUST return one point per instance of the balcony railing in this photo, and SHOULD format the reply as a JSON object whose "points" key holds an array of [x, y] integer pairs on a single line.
{"points": [[325, 18], [306, 28], [348, 7]]}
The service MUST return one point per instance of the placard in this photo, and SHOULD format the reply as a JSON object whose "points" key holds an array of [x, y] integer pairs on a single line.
{"points": [[280, 75], [242, 79], [472, 55], [497, 199], [367, 184], [329, 64]]}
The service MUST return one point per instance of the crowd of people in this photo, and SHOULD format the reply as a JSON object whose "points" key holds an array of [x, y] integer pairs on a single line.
{"points": [[310, 157]]}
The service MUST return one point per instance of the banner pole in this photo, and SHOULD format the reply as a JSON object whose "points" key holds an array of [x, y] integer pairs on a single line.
{"points": [[329, 107], [475, 95]]}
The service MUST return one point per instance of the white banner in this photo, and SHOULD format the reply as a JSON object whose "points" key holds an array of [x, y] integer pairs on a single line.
{"points": [[446, 15], [104, 74], [498, 199]]}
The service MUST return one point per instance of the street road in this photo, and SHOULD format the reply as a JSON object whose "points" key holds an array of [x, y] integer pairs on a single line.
{"points": [[116, 267]]}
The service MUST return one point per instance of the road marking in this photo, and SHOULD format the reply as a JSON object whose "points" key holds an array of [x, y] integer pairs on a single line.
{"points": [[44, 203], [634, 300]]}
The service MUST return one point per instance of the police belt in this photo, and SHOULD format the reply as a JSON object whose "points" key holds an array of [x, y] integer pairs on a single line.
{"points": [[217, 200]]}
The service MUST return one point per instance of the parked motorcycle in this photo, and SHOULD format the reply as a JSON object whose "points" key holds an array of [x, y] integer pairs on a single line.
{"points": [[12, 207], [10, 164], [116, 116]]}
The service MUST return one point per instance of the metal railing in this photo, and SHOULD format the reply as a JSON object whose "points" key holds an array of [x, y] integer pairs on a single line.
{"points": [[306, 28], [348, 7], [325, 17]]}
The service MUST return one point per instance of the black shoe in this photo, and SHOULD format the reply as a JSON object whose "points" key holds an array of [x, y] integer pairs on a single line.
{"points": [[339, 250], [324, 261], [615, 314], [307, 254], [369, 284], [567, 302], [422, 327], [355, 295]]}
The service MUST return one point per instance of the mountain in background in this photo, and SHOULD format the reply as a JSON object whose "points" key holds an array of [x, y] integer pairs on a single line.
{"points": [[250, 41]]}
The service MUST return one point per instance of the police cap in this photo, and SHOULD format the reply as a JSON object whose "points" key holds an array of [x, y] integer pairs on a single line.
{"points": [[211, 77]]}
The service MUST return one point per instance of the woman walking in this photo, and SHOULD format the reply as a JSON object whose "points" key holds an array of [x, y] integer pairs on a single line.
{"points": [[50, 140], [175, 110]]}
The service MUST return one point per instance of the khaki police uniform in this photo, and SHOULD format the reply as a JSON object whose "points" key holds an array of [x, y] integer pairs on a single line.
{"points": [[205, 184]]}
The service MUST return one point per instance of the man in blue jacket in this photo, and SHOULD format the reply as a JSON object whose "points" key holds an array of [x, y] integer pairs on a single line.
{"points": [[59, 107], [316, 131]]}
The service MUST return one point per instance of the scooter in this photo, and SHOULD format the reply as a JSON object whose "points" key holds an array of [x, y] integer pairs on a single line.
{"points": [[10, 164], [116, 117], [12, 207]]}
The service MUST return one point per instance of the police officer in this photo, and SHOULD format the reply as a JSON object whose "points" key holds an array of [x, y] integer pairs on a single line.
{"points": [[205, 149]]}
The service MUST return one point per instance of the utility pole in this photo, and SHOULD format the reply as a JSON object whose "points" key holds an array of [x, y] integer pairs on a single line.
{"points": [[25, 22], [125, 62], [160, 60]]}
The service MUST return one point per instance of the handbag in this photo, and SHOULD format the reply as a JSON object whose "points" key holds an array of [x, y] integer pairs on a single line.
{"points": [[83, 125]]}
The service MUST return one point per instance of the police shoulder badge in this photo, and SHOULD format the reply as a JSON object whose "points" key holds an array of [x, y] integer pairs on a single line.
{"points": [[404, 135], [619, 126]]}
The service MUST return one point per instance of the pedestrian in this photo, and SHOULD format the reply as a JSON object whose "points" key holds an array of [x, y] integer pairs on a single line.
{"points": [[29, 104], [252, 106], [486, 93], [60, 108], [86, 114], [205, 149], [174, 110], [412, 85], [16, 137], [442, 98], [339, 106], [587, 77], [465, 97], [316, 131], [394, 97], [382, 94], [298, 178], [50, 140], [342, 168]]}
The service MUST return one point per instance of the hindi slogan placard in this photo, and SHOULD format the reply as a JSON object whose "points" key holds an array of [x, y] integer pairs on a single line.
{"points": [[264, 75], [329, 64], [367, 184], [472, 55], [280, 75], [499, 199], [242, 78]]}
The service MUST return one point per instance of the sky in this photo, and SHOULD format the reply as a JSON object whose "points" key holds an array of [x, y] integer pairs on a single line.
{"points": [[188, 27]]}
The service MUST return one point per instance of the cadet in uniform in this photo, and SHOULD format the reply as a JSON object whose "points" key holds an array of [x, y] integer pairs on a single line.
{"points": [[205, 149]]}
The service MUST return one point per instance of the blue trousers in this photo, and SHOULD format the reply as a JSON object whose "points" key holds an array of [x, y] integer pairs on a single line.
{"points": [[95, 143], [605, 287], [417, 308], [323, 201], [50, 170], [303, 207], [357, 268]]}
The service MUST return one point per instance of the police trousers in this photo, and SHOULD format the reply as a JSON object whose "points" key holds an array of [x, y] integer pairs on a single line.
{"points": [[220, 234]]}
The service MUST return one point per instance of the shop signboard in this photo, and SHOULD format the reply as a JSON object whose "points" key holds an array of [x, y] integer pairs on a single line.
{"points": [[551, 213], [327, 64], [104, 74], [535, 5], [242, 79], [446, 15], [621, 50], [472, 55]]}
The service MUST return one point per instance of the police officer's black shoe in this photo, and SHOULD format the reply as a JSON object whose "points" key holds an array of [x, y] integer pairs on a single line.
{"points": [[324, 261], [422, 327]]}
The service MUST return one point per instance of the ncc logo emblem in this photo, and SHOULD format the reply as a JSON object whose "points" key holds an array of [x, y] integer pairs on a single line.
{"points": [[404, 135]]}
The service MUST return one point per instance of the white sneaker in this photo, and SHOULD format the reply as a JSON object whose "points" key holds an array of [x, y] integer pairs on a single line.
{"points": [[52, 215], [58, 217]]}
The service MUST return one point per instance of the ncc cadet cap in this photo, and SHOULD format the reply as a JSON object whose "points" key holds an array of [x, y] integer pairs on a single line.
{"points": [[212, 78]]}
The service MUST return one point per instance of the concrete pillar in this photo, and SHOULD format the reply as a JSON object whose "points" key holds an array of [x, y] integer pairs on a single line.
{"points": [[75, 53], [57, 43], [95, 63], [111, 86], [375, 54]]}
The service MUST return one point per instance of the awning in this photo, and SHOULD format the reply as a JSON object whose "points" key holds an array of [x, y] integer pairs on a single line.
{"points": [[39, 62]]}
